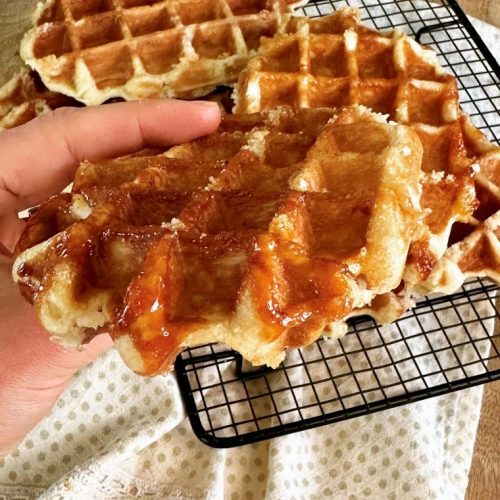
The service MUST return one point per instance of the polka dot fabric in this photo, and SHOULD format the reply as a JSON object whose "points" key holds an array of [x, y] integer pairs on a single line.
{"points": [[106, 414], [113, 434]]}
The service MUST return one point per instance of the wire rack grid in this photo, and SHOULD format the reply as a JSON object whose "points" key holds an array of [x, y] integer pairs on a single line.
{"points": [[444, 344]]}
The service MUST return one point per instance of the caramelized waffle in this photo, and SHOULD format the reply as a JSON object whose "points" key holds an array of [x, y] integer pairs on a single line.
{"points": [[94, 50], [336, 61], [257, 236], [24, 97]]}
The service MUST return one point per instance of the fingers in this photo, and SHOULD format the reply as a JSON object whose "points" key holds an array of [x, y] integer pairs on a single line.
{"points": [[39, 159], [27, 351], [68, 361], [11, 228]]}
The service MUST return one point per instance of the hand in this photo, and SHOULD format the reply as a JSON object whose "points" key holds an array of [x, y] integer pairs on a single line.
{"points": [[36, 161]]}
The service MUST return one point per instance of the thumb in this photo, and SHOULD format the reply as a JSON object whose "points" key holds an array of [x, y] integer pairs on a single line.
{"points": [[58, 141]]}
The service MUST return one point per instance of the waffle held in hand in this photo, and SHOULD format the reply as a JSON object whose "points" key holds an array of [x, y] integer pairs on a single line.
{"points": [[94, 50], [336, 61], [258, 236]]}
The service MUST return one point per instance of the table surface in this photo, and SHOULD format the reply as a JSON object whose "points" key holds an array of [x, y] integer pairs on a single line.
{"points": [[486, 10], [484, 482]]}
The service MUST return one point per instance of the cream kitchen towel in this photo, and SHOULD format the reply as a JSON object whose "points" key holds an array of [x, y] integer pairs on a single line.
{"points": [[116, 435], [113, 434]]}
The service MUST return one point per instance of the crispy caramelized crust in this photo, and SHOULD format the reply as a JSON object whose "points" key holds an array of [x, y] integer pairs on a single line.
{"points": [[95, 50], [253, 236], [478, 254]]}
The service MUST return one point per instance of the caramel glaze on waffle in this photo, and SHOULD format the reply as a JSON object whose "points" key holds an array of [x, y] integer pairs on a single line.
{"points": [[94, 50], [335, 61], [24, 97], [253, 236]]}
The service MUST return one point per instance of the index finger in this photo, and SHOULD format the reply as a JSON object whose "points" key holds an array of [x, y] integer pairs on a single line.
{"points": [[39, 159]]}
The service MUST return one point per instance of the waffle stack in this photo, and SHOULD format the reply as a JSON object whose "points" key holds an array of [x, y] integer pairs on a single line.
{"points": [[97, 50], [335, 61], [253, 237], [24, 97]]}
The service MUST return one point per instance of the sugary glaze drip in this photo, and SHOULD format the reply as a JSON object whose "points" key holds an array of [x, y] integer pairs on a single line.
{"points": [[285, 263], [189, 285], [257, 236]]}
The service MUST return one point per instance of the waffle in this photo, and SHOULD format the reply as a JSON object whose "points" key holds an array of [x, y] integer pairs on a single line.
{"points": [[478, 254], [24, 97], [335, 61], [474, 248], [253, 237], [94, 50]]}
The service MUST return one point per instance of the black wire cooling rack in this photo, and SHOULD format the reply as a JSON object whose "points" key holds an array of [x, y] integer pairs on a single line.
{"points": [[444, 344]]}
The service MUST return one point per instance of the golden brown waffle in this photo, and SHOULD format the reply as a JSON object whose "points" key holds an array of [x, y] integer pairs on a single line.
{"points": [[335, 61], [478, 254], [24, 97], [252, 236], [94, 50]]}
